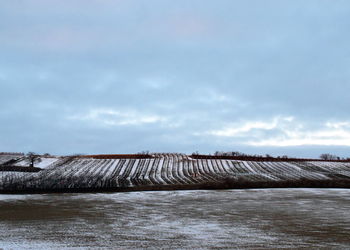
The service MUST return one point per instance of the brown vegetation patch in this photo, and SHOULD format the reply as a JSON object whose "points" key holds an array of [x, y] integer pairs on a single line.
{"points": [[118, 156]]}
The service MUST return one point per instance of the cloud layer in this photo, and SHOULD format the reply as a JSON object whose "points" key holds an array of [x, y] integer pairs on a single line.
{"points": [[126, 76]]}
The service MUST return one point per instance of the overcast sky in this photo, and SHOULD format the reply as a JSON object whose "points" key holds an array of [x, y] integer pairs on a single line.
{"points": [[123, 76]]}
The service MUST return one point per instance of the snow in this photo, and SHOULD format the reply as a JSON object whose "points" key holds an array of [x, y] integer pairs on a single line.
{"points": [[45, 162], [167, 169]]}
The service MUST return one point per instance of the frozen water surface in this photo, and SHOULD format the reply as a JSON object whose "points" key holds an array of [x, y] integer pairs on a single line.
{"points": [[257, 218]]}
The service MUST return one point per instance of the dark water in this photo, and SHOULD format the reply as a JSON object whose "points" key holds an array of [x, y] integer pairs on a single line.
{"points": [[254, 219]]}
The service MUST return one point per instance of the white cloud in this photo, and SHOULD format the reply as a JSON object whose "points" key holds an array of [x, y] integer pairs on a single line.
{"points": [[241, 129], [112, 117], [321, 137], [337, 125], [286, 131]]}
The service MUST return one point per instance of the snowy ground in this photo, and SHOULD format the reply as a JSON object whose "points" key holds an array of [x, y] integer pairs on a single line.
{"points": [[227, 219], [44, 162]]}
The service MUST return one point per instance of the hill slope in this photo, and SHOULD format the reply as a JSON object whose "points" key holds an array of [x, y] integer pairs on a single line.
{"points": [[171, 171]]}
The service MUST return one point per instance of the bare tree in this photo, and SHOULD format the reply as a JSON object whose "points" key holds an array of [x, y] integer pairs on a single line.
{"points": [[144, 152], [32, 158], [328, 156], [233, 153]]}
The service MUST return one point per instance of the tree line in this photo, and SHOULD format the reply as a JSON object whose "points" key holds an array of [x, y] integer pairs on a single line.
{"points": [[324, 156]]}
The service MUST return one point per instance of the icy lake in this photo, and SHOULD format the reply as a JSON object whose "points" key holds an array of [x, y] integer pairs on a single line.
{"points": [[257, 218]]}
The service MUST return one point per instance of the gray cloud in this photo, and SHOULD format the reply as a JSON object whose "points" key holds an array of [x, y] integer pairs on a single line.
{"points": [[192, 66]]}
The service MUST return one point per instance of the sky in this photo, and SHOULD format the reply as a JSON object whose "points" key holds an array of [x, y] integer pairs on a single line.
{"points": [[125, 76]]}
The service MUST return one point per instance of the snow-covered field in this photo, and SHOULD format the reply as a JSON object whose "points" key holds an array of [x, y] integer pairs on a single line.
{"points": [[197, 219], [170, 170], [44, 162]]}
